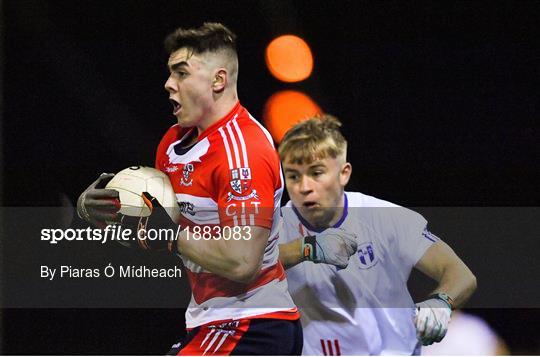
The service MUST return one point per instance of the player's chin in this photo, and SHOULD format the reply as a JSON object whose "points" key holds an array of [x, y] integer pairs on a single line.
{"points": [[184, 121], [314, 215]]}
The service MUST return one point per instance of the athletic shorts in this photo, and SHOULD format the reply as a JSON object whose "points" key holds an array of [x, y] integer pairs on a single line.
{"points": [[243, 337]]}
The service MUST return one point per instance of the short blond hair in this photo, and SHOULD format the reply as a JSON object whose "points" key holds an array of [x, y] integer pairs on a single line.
{"points": [[316, 138]]}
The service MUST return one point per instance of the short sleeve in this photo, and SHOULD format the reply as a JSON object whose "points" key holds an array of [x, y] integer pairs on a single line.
{"points": [[246, 193], [411, 235]]}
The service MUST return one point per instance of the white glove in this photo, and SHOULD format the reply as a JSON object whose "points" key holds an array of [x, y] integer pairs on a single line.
{"points": [[431, 320], [332, 246]]}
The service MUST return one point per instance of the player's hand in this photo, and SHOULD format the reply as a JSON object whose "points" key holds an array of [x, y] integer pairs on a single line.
{"points": [[431, 320], [156, 231], [332, 246], [98, 205]]}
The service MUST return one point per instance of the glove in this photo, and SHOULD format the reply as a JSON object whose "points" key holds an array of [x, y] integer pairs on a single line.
{"points": [[98, 205], [431, 319], [154, 232], [333, 246]]}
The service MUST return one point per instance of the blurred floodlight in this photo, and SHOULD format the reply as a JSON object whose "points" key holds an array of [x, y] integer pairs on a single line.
{"points": [[286, 108], [289, 58]]}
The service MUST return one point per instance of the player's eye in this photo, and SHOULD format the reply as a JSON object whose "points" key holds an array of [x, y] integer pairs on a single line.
{"points": [[292, 177]]}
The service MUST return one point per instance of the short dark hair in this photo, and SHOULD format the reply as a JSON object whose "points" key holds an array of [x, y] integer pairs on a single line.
{"points": [[209, 37]]}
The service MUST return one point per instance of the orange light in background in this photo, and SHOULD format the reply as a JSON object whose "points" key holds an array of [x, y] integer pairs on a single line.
{"points": [[286, 108], [289, 58]]}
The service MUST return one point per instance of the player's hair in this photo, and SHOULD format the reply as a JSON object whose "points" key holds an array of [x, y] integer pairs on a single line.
{"points": [[210, 37], [316, 138]]}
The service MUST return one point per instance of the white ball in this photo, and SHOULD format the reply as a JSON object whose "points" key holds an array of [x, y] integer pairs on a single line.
{"points": [[133, 181]]}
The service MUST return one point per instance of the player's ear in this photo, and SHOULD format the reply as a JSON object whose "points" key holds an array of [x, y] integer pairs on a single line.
{"points": [[219, 81], [345, 174]]}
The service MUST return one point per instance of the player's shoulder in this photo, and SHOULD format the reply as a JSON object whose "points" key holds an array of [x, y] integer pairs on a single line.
{"points": [[253, 131], [377, 212], [358, 199]]}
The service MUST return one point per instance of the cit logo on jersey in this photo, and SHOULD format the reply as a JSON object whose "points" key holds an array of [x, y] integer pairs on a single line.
{"points": [[366, 255], [241, 180], [186, 171]]}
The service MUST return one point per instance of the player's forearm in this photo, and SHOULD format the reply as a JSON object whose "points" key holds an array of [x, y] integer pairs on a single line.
{"points": [[237, 260], [458, 282], [454, 278], [290, 254]]}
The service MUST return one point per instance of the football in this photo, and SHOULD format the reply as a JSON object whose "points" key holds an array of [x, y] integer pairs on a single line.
{"points": [[133, 181]]}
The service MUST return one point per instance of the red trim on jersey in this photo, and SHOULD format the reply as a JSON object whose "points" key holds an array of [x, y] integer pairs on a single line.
{"points": [[301, 229], [338, 351], [215, 340], [291, 314], [323, 347], [208, 285], [330, 349]]}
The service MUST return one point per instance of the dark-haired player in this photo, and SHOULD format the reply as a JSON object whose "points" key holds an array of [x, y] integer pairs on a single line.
{"points": [[227, 177]]}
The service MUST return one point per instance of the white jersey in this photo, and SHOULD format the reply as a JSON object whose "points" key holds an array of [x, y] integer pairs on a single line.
{"points": [[365, 308]]}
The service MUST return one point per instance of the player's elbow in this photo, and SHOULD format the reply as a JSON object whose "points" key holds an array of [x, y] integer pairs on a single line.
{"points": [[468, 283], [472, 282], [245, 273]]}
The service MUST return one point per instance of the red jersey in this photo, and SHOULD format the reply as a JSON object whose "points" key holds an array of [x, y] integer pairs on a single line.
{"points": [[229, 179]]}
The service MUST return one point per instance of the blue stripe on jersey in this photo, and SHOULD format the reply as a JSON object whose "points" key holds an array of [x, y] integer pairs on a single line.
{"points": [[429, 236]]}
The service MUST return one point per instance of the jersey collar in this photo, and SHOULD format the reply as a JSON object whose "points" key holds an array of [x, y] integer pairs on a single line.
{"points": [[338, 223], [229, 116]]}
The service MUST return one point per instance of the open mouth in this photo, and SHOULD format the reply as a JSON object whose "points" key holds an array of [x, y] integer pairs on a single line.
{"points": [[176, 106], [310, 204]]}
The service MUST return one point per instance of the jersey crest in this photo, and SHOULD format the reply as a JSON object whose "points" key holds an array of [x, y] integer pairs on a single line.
{"points": [[186, 180], [241, 180], [366, 255]]}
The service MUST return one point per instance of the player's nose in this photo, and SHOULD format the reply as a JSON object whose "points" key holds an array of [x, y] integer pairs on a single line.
{"points": [[305, 185], [170, 85]]}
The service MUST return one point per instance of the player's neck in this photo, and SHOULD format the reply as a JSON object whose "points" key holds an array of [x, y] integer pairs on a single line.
{"points": [[338, 213], [222, 106]]}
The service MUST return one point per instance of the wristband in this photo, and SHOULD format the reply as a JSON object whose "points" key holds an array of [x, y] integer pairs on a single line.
{"points": [[444, 297], [309, 247]]}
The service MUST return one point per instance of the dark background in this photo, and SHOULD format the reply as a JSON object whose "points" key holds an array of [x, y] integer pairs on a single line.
{"points": [[439, 103]]}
